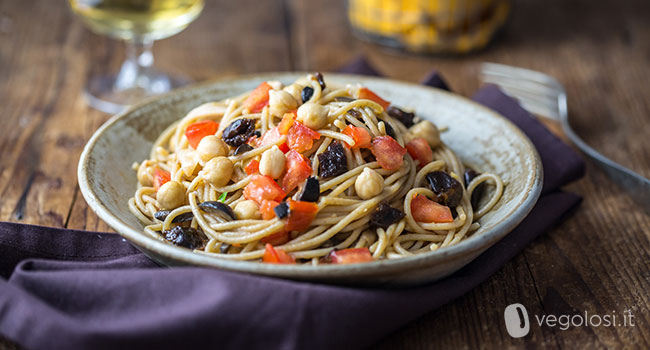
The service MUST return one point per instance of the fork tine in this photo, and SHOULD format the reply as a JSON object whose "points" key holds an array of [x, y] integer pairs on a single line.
{"points": [[502, 70]]}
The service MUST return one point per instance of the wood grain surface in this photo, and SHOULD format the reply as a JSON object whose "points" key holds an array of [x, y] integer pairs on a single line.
{"points": [[596, 261]]}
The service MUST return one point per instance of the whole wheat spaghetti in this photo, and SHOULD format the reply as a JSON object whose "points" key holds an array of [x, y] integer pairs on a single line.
{"points": [[308, 173]]}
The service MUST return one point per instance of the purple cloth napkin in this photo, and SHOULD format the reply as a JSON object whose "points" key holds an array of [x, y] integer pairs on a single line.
{"points": [[67, 289]]}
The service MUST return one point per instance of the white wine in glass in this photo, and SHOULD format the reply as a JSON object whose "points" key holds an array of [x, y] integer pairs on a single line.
{"points": [[139, 22]]}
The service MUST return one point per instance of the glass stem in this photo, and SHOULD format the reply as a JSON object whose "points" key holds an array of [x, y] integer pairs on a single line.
{"points": [[136, 71]]}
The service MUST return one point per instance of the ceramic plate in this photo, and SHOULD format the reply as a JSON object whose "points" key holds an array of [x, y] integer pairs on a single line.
{"points": [[482, 139]]}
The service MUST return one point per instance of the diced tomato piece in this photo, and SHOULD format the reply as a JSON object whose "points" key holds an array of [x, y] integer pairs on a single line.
{"points": [[271, 137], [277, 238], [197, 131], [367, 94], [287, 122], [267, 209], [252, 167], [351, 256], [388, 152], [361, 136], [419, 149], [160, 177], [262, 188], [258, 99], [276, 256], [301, 214], [298, 170], [301, 137], [425, 210]]}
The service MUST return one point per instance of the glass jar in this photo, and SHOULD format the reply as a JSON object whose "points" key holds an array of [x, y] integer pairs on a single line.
{"points": [[433, 26]]}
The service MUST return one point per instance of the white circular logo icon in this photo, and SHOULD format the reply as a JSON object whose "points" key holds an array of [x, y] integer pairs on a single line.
{"points": [[516, 318]]}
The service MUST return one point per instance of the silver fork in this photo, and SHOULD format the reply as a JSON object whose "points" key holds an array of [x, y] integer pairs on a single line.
{"points": [[543, 95]]}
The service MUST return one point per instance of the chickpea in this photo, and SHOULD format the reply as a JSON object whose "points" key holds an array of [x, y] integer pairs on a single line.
{"points": [[217, 171], [210, 147], [280, 102], [426, 130], [272, 162], [145, 173], [313, 115], [369, 184], [275, 84], [170, 195], [247, 209], [295, 90]]}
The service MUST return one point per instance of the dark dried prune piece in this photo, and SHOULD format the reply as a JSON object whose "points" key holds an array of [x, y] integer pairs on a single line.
{"points": [[306, 93], [186, 237], [238, 132], [320, 80], [311, 190], [385, 215], [333, 162], [469, 175], [405, 118], [448, 191]]}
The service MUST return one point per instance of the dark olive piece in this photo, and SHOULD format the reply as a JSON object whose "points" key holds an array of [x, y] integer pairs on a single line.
{"points": [[185, 237], [223, 249], [405, 118], [333, 162], [478, 190], [162, 215], [448, 190], [243, 149], [257, 133], [282, 210], [385, 215], [469, 175], [213, 207], [311, 191], [238, 132], [343, 99], [321, 81], [389, 130], [306, 93], [354, 113]]}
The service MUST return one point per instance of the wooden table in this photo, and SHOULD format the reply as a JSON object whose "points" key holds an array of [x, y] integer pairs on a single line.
{"points": [[597, 261]]}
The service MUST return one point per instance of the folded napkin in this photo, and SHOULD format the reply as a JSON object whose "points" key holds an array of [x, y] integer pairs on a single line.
{"points": [[68, 289]]}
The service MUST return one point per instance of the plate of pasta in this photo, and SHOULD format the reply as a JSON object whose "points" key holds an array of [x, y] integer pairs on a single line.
{"points": [[322, 177]]}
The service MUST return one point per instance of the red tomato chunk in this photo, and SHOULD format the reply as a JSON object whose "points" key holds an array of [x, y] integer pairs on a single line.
{"points": [[197, 131], [360, 136], [425, 210], [419, 149], [262, 188], [388, 152], [258, 99], [351, 256], [276, 256], [298, 170]]}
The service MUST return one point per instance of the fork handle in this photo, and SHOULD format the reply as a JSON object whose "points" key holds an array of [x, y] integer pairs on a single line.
{"points": [[636, 185]]}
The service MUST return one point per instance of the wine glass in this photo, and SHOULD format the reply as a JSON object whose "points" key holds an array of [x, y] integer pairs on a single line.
{"points": [[139, 23]]}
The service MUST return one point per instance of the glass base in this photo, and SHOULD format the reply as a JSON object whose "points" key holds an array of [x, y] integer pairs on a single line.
{"points": [[112, 94]]}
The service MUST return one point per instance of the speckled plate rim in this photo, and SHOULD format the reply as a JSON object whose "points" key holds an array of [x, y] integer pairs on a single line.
{"points": [[381, 267]]}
